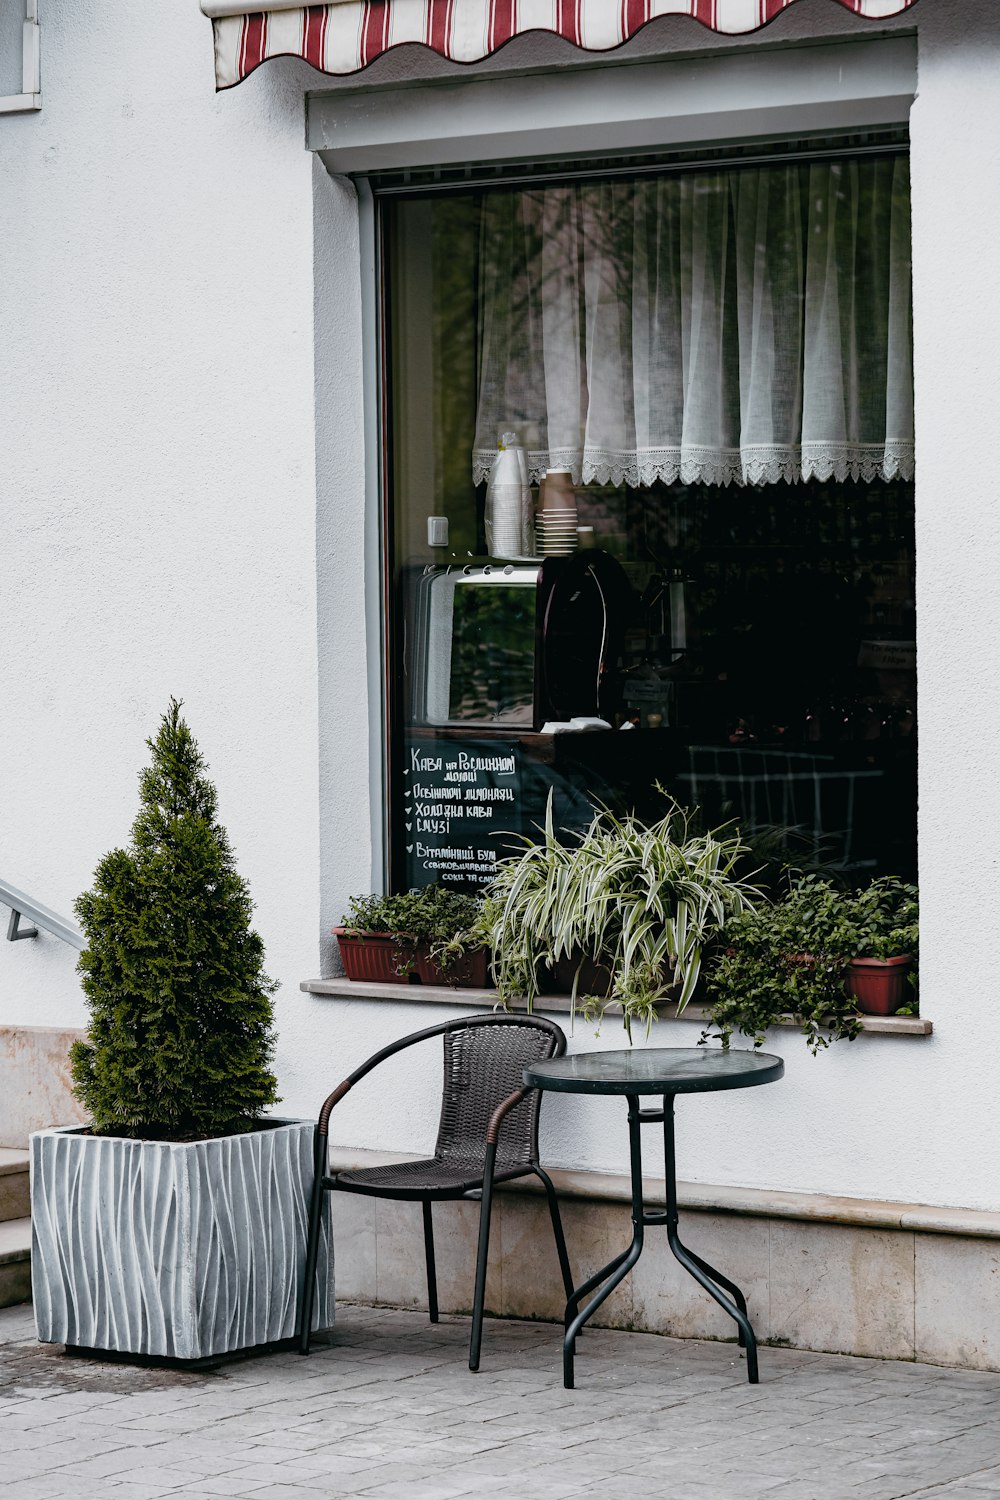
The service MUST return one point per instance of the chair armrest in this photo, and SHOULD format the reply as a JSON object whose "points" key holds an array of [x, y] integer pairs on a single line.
{"points": [[498, 1115], [323, 1123]]}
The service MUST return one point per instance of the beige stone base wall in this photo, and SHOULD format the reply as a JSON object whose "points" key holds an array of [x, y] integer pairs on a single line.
{"points": [[890, 1293], [35, 1082], [891, 1281]]}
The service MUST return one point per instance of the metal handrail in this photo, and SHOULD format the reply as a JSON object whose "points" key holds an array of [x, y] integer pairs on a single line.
{"points": [[23, 906]]}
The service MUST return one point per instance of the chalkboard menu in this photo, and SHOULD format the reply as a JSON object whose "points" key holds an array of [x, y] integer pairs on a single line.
{"points": [[461, 801], [469, 802]]}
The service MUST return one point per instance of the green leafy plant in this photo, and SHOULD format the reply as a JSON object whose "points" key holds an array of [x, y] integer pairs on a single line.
{"points": [[181, 1026], [640, 900], [790, 957], [885, 920], [442, 920], [428, 914]]}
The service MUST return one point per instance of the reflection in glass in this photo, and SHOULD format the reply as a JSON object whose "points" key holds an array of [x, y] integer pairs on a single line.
{"points": [[722, 359]]}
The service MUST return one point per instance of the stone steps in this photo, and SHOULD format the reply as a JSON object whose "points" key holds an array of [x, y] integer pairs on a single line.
{"points": [[14, 1196], [15, 1228], [15, 1262]]}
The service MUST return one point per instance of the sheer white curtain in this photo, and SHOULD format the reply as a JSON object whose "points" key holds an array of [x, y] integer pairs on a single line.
{"points": [[741, 326]]}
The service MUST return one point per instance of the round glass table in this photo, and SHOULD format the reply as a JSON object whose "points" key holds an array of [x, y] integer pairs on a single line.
{"points": [[664, 1071]]}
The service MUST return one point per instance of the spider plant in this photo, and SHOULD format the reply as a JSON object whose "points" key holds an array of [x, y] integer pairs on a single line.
{"points": [[640, 899]]}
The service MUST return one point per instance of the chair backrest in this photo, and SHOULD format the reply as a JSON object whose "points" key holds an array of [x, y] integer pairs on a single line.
{"points": [[484, 1060]]}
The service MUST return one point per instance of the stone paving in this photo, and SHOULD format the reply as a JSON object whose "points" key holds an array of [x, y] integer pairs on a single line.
{"points": [[386, 1407]]}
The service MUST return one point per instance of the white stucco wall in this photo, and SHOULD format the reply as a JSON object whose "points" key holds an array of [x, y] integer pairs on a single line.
{"points": [[156, 469], [169, 502]]}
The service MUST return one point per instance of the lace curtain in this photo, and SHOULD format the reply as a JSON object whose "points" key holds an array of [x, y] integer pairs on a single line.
{"points": [[734, 327]]}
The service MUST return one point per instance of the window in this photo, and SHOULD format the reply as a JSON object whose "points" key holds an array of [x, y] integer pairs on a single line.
{"points": [[20, 81], [691, 566]]}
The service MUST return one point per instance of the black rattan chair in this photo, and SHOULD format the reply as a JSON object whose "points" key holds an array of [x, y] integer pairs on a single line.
{"points": [[488, 1133]]}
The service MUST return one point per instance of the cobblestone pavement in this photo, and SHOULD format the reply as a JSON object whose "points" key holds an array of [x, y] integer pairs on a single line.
{"points": [[388, 1408]]}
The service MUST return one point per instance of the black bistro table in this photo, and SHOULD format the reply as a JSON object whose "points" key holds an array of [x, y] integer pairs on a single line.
{"points": [[666, 1071]]}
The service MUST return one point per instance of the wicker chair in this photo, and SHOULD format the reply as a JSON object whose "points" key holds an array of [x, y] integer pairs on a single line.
{"points": [[488, 1133]]}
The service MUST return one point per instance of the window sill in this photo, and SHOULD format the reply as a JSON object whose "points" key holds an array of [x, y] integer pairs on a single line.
{"points": [[561, 1005]]}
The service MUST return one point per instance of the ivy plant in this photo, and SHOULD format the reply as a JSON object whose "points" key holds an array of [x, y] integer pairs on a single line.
{"points": [[790, 957]]}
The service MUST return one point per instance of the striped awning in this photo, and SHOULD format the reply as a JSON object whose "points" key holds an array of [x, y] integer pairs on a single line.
{"points": [[347, 35]]}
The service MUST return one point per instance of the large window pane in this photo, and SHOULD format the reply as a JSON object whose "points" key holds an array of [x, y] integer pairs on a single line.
{"points": [[721, 363]]}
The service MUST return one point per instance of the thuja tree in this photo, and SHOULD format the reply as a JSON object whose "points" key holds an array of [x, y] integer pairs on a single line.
{"points": [[181, 1026]]}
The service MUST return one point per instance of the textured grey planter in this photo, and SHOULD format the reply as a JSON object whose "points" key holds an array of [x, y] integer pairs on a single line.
{"points": [[148, 1247]]}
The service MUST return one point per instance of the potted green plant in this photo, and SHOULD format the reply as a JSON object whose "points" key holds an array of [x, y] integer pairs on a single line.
{"points": [[172, 1224], [425, 935], [881, 974], [795, 956], [370, 943], [623, 911]]}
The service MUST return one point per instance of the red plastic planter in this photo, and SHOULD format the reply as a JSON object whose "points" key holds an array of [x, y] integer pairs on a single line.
{"points": [[373, 957], [878, 985]]}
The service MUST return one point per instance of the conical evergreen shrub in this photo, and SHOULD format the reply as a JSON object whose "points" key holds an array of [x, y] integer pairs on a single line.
{"points": [[181, 1025]]}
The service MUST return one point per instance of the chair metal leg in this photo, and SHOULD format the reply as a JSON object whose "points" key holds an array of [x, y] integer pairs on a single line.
{"points": [[557, 1230], [482, 1258], [312, 1244], [432, 1286]]}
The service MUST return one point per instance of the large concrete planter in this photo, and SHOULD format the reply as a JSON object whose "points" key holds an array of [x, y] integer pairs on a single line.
{"points": [[182, 1250]]}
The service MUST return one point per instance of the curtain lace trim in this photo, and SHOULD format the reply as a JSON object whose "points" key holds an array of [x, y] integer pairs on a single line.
{"points": [[755, 465]]}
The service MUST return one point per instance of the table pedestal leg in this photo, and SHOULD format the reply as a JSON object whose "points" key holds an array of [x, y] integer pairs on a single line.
{"points": [[617, 1269], [609, 1276], [706, 1275]]}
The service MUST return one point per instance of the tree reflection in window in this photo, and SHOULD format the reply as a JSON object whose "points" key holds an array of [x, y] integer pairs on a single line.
{"points": [[492, 656]]}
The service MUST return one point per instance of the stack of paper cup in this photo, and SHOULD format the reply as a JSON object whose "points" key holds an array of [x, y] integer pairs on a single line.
{"points": [[508, 500], [503, 525], [555, 527]]}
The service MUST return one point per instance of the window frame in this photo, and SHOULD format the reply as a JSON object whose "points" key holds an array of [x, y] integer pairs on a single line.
{"points": [[30, 97]]}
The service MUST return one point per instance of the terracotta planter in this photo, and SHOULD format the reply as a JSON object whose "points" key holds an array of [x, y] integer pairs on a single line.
{"points": [[879, 985], [374, 957], [469, 972], [594, 979]]}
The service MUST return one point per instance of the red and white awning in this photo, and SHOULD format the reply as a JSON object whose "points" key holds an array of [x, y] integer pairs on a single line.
{"points": [[347, 35]]}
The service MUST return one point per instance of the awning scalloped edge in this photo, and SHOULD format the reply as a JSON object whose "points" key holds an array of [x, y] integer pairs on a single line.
{"points": [[344, 36]]}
